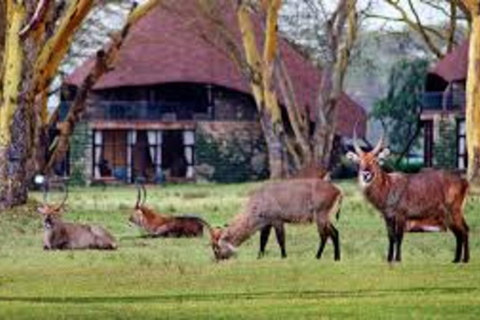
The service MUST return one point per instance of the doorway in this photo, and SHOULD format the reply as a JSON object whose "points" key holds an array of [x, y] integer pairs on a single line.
{"points": [[174, 164]]}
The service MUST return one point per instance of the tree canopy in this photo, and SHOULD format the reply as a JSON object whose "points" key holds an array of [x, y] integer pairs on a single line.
{"points": [[399, 110]]}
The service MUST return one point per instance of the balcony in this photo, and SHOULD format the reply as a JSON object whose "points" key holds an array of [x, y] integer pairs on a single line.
{"points": [[144, 110], [443, 101]]}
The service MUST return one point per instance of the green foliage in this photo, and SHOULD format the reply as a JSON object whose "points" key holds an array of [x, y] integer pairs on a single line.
{"points": [[230, 160], [78, 142], [445, 149], [400, 109], [177, 279], [392, 164]]}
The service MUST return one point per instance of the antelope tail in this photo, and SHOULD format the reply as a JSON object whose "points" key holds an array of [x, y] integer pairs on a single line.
{"points": [[337, 207]]}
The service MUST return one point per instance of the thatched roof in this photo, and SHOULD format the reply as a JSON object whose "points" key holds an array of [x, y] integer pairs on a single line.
{"points": [[175, 43], [454, 66]]}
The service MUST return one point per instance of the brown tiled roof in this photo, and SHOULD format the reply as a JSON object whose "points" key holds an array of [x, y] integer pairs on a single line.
{"points": [[454, 66], [167, 46]]}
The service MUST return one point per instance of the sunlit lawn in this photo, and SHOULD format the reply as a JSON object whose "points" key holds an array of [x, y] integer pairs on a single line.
{"points": [[177, 279]]}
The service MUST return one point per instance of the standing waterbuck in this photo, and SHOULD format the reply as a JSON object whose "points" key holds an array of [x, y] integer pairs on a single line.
{"points": [[406, 201], [59, 235], [276, 203]]}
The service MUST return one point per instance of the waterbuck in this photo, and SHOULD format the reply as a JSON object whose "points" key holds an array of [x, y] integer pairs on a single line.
{"points": [[410, 202], [59, 235], [309, 171], [161, 225], [276, 203]]}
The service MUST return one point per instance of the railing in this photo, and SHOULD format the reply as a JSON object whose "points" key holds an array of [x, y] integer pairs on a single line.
{"points": [[143, 110], [161, 111], [443, 101]]}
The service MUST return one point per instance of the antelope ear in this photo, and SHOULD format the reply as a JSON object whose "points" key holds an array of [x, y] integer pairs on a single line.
{"points": [[352, 156], [41, 210], [384, 154]]}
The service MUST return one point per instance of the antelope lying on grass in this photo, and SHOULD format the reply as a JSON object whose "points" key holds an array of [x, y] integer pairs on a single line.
{"points": [[310, 171], [160, 225], [59, 235], [276, 203], [412, 202]]}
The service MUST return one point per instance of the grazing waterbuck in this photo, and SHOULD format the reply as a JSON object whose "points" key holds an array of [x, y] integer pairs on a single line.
{"points": [[309, 171], [276, 203], [409, 202]]}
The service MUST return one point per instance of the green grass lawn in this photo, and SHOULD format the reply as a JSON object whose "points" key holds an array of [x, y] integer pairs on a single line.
{"points": [[177, 278]]}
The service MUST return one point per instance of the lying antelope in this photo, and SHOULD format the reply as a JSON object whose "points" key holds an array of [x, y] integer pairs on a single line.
{"points": [[276, 203], [59, 235], [411, 202], [310, 171], [160, 225]]}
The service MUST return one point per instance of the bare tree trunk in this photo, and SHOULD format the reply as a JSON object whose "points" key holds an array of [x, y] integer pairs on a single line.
{"points": [[14, 120], [333, 75], [3, 19], [276, 148], [260, 74], [325, 121], [473, 100]]}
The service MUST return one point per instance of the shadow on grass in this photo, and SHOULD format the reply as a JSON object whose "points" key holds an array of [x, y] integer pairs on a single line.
{"points": [[280, 295]]}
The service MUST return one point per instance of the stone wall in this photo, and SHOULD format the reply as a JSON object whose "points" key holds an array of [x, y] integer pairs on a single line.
{"points": [[445, 142], [227, 151], [231, 105], [80, 154]]}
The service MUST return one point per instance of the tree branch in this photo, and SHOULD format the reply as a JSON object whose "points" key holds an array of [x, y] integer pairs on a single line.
{"points": [[416, 26], [55, 49], [103, 63]]}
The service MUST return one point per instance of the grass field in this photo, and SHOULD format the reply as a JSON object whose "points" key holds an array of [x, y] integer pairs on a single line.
{"points": [[177, 279]]}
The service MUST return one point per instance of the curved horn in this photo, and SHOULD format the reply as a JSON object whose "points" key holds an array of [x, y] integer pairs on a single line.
{"points": [[356, 147], [379, 145], [208, 226], [139, 195], [64, 198], [144, 194]]}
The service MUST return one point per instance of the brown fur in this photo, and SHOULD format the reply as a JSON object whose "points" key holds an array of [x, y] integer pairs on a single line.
{"points": [[310, 171], [59, 235], [276, 203], [408, 201], [160, 225]]}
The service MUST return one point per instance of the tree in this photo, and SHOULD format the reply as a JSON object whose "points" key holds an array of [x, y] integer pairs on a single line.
{"points": [[456, 11], [473, 93], [266, 71], [439, 38], [399, 110], [260, 68], [37, 37]]}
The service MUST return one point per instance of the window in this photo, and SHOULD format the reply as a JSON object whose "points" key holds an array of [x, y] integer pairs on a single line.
{"points": [[428, 143], [109, 153], [461, 144]]}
